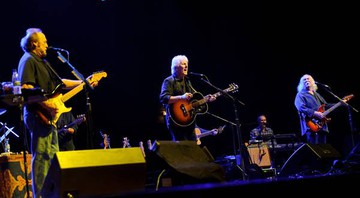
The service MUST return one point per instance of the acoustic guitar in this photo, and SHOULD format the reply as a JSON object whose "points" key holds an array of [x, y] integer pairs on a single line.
{"points": [[183, 112]]}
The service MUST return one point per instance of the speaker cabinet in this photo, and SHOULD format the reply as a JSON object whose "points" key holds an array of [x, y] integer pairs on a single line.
{"points": [[310, 159], [85, 173], [260, 155], [189, 159]]}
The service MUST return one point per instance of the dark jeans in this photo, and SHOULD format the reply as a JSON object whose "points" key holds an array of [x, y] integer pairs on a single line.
{"points": [[316, 138]]}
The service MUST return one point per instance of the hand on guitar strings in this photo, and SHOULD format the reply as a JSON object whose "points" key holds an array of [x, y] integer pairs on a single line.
{"points": [[186, 96]]}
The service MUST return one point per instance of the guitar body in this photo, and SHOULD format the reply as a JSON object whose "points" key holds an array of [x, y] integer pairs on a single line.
{"points": [[316, 124], [51, 117], [183, 112], [60, 105]]}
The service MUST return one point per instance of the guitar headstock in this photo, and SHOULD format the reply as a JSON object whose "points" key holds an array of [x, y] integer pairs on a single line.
{"points": [[232, 88], [96, 77], [80, 118], [348, 97]]}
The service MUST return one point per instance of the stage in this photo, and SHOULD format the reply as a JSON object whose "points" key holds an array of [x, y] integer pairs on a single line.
{"points": [[280, 187]]}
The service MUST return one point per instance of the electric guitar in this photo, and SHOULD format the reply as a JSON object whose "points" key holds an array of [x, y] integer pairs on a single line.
{"points": [[183, 112], [315, 124], [80, 118], [50, 110], [199, 135]]}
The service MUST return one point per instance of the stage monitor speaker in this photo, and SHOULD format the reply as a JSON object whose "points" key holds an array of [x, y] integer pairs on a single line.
{"points": [[97, 172], [187, 158], [310, 159]]}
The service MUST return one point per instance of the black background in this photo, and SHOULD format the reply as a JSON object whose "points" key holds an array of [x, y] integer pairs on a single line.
{"points": [[262, 46]]}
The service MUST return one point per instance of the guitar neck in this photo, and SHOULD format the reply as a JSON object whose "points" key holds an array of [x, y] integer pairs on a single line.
{"points": [[332, 108], [346, 98], [205, 134], [72, 92], [204, 100], [77, 121]]}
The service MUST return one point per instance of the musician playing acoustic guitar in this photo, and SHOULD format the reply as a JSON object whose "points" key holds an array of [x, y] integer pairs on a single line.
{"points": [[312, 110], [35, 72], [177, 89]]}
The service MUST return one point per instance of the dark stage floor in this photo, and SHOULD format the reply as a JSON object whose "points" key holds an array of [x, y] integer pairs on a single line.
{"points": [[279, 187]]}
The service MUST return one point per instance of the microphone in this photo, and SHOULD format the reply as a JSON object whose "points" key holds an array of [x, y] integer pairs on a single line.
{"points": [[196, 74], [57, 49], [323, 85]]}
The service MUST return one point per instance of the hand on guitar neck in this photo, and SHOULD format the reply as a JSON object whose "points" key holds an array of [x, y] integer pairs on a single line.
{"points": [[210, 98]]}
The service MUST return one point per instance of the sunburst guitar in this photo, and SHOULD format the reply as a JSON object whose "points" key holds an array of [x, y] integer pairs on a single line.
{"points": [[183, 112]]}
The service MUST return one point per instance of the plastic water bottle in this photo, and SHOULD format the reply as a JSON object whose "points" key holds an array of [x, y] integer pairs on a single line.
{"points": [[16, 82], [7, 145]]}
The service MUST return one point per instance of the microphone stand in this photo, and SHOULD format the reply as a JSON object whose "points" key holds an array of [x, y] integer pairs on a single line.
{"points": [[79, 76], [245, 159], [74, 71], [352, 128], [220, 118]]}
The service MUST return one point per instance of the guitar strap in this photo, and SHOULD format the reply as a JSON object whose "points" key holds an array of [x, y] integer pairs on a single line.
{"points": [[53, 73], [188, 84], [318, 98]]}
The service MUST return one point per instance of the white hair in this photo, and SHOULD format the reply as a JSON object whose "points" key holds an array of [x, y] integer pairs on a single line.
{"points": [[176, 60]]}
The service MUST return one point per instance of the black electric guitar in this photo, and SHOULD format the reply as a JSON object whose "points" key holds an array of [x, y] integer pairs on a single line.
{"points": [[183, 112], [80, 118], [315, 124]]}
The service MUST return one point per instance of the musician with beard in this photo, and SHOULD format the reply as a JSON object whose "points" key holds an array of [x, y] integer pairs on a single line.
{"points": [[310, 106]]}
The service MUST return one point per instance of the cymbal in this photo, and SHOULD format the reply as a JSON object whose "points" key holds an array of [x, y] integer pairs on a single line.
{"points": [[2, 111]]}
